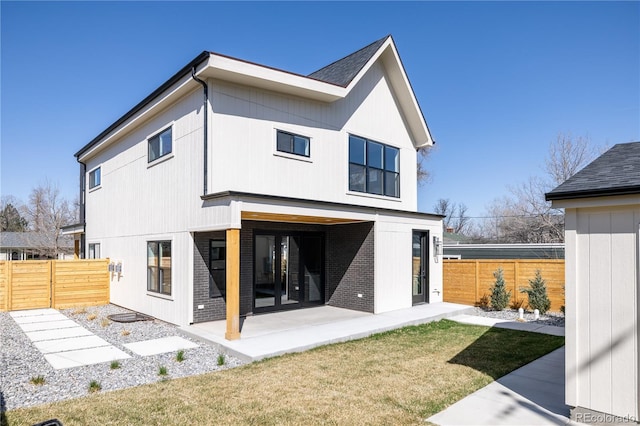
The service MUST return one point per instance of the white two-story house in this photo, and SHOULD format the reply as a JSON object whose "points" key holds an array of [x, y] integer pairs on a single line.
{"points": [[236, 189]]}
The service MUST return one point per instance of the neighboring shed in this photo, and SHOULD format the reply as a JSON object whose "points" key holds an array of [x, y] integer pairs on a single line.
{"points": [[602, 219]]}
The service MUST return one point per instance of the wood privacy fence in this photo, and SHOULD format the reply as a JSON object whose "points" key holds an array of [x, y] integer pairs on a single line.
{"points": [[466, 281], [33, 284]]}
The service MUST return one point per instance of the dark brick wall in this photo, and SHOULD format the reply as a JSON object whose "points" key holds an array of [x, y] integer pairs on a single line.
{"points": [[214, 308], [350, 266]]}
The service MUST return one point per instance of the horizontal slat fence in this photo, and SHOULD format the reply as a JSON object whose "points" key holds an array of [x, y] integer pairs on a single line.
{"points": [[33, 284], [465, 281]]}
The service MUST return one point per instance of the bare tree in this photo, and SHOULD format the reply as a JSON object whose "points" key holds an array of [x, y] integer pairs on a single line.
{"points": [[423, 155], [524, 216], [48, 212], [455, 215]]}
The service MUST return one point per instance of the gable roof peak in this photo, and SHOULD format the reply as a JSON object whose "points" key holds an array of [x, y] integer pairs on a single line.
{"points": [[343, 71]]}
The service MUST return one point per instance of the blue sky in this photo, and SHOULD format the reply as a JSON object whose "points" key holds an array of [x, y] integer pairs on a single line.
{"points": [[497, 81]]}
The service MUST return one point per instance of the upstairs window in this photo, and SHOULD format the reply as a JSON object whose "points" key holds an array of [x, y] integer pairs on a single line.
{"points": [[374, 167], [94, 178], [160, 145], [293, 144]]}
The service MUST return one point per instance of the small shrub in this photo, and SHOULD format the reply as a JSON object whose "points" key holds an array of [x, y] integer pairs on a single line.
{"points": [[499, 294], [537, 293], [105, 322], [37, 380], [221, 359], [180, 355], [484, 302], [79, 311], [115, 364], [91, 317], [94, 386], [516, 304], [125, 332], [162, 371]]}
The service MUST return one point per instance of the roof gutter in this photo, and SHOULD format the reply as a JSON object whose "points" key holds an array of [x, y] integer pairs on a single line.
{"points": [[205, 108], [185, 71], [604, 192]]}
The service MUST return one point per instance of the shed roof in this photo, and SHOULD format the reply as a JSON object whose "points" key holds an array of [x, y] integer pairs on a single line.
{"points": [[616, 172], [30, 240]]}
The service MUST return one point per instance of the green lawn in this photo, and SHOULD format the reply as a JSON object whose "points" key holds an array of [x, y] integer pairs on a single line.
{"points": [[398, 377]]}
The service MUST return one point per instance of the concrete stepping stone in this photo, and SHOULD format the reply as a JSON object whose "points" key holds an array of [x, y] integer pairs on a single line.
{"points": [[80, 357], [160, 346]]}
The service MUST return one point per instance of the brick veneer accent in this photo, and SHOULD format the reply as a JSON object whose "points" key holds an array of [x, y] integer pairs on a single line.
{"points": [[349, 267], [214, 308]]}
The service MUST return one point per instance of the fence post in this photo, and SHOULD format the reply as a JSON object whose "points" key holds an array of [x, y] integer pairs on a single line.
{"points": [[52, 287], [9, 285], [477, 280], [516, 268]]}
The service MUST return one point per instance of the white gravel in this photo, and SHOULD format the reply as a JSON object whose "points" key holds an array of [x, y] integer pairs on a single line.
{"points": [[20, 360], [550, 318]]}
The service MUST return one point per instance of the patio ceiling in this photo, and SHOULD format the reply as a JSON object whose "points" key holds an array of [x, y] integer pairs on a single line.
{"points": [[295, 218]]}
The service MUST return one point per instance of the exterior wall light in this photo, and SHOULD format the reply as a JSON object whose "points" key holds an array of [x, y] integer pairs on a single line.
{"points": [[437, 246]]}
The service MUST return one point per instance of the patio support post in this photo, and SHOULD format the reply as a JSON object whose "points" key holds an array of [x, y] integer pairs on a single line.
{"points": [[233, 284]]}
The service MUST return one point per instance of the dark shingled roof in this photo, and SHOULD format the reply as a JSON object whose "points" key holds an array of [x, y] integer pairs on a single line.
{"points": [[616, 172], [344, 70]]}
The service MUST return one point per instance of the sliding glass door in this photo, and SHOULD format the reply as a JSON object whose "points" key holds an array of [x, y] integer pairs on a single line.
{"points": [[288, 270]]}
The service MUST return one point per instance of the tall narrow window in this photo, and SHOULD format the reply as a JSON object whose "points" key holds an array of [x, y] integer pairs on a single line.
{"points": [[160, 145], [159, 267], [293, 144], [94, 178], [94, 251], [374, 167]]}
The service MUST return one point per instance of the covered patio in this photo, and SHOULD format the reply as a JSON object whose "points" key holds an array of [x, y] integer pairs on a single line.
{"points": [[273, 334]]}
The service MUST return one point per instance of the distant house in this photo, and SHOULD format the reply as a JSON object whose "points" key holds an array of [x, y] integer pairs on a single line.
{"points": [[236, 189], [602, 230], [30, 245]]}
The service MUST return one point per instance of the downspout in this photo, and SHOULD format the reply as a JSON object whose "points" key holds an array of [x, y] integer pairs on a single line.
{"points": [[206, 133], [82, 201]]}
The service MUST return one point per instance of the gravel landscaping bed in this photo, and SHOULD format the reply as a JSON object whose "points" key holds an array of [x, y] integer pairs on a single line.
{"points": [[550, 318], [21, 361]]}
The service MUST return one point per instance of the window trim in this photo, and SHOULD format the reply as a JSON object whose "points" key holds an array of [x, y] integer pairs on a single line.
{"points": [[90, 181], [94, 243], [159, 292], [161, 157], [384, 170], [291, 154]]}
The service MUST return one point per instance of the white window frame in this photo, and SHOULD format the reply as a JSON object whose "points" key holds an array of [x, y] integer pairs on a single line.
{"points": [[91, 178]]}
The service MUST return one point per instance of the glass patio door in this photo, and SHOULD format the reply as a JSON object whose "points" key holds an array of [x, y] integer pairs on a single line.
{"points": [[420, 267]]}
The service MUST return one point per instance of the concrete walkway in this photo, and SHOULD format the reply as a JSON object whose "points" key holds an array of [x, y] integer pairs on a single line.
{"points": [[531, 395], [63, 342], [269, 335]]}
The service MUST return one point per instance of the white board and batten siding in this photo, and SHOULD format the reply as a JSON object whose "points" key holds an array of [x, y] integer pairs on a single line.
{"points": [[243, 153], [602, 312]]}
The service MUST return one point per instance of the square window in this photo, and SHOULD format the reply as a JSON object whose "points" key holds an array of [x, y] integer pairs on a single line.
{"points": [[374, 167], [160, 145], [94, 251], [94, 178], [293, 144]]}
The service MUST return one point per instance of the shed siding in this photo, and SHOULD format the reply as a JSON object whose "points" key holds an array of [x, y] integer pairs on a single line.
{"points": [[602, 342]]}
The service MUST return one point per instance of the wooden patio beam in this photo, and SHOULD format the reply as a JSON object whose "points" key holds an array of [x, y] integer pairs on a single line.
{"points": [[233, 284]]}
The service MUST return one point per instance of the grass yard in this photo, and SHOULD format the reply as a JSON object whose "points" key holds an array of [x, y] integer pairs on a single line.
{"points": [[398, 377]]}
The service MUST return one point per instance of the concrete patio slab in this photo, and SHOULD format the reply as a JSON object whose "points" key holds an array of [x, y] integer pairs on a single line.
{"points": [[78, 358], [51, 325], [273, 334], [533, 327], [37, 336], [160, 346], [70, 344]]}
